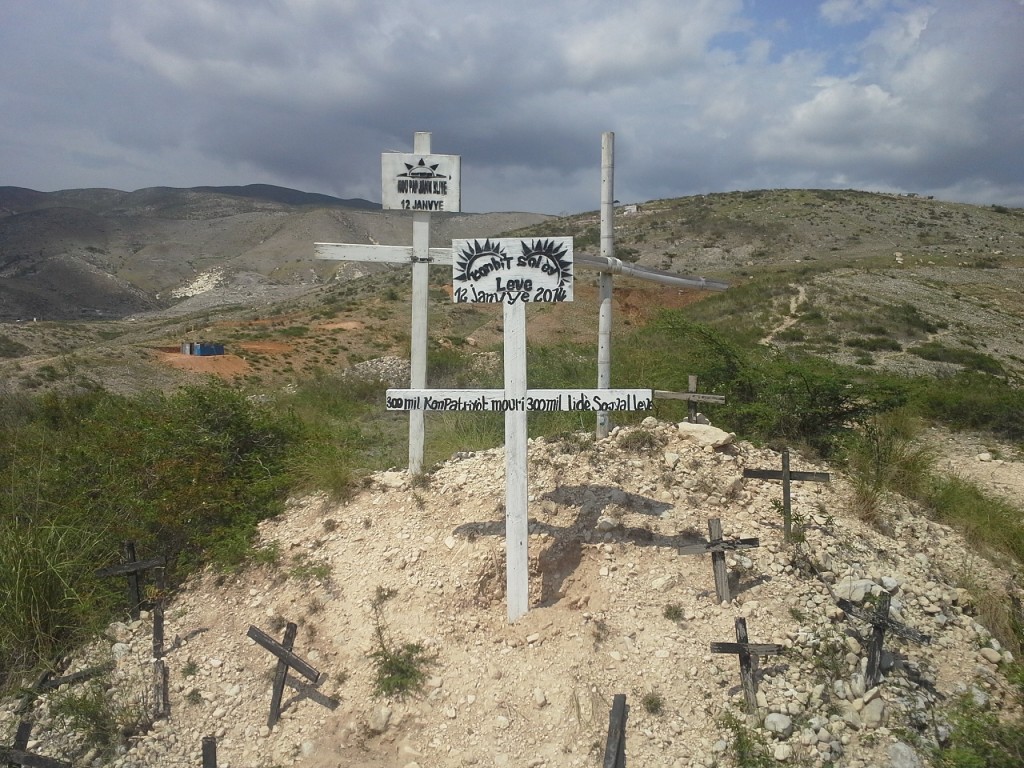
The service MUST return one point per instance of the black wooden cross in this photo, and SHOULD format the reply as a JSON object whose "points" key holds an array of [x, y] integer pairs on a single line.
{"points": [[18, 754], [50, 683], [285, 660], [748, 653], [21, 738], [615, 748], [131, 568], [718, 546], [880, 622], [30, 760], [692, 396], [786, 476]]}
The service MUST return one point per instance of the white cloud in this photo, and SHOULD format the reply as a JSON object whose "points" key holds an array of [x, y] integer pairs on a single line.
{"points": [[838, 12], [702, 94]]}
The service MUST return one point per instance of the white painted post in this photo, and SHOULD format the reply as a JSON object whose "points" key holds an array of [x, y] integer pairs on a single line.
{"points": [[419, 188], [420, 313], [517, 524], [604, 320]]}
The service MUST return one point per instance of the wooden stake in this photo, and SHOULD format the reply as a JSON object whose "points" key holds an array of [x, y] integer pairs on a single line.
{"points": [[748, 653], [615, 747]]}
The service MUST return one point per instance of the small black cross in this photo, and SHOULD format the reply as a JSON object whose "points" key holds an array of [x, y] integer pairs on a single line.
{"points": [[30, 760], [786, 476], [718, 546], [131, 568], [285, 660], [880, 622], [748, 653]]}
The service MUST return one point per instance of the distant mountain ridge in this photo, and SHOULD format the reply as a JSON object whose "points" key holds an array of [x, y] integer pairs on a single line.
{"points": [[88, 253], [102, 200]]}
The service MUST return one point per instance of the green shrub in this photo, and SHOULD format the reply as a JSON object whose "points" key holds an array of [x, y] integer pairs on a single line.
{"points": [[970, 400], [968, 358], [400, 668], [11, 348], [882, 457], [187, 476], [873, 343], [981, 739]]}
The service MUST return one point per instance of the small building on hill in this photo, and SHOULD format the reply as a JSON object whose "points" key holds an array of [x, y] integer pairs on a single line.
{"points": [[203, 348]]}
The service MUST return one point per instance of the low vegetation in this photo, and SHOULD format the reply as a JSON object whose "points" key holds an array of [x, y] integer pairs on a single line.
{"points": [[190, 474]]}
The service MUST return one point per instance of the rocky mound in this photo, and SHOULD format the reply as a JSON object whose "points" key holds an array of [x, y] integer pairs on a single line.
{"points": [[614, 609]]}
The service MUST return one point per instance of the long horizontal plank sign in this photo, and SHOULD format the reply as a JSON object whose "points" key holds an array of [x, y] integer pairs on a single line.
{"points": [[515, 272], [535, 400]]}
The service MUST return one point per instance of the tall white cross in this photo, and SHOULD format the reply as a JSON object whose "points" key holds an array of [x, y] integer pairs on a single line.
{"points": [[420, 183], [515, 272]]}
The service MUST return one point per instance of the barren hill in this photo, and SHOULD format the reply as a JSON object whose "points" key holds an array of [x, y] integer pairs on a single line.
{"points": [[90, 253]]}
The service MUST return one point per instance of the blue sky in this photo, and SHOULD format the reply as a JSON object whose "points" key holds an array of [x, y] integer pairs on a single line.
{"points": [[703, 95]]}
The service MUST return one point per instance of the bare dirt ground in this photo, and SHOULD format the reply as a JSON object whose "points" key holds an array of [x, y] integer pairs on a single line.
{"points": [[614, 609], [996, 466]]}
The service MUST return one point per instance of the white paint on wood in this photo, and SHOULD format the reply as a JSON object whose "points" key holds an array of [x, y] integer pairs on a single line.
{"points": [[509, 270], [535, 400], [604, 311], [517, 577], [421, 181], [381, 254]]}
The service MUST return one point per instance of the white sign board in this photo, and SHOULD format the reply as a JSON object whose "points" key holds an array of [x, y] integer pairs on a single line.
{"points": [[511, 270], [534, 400], [420, 182]]}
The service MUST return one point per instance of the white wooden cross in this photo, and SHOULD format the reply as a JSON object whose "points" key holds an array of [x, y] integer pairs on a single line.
{"points": [[420, 183], [515, 272]]}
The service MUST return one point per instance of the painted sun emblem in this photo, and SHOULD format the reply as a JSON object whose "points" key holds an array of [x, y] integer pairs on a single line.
{"points": [[477, 256], [551, 256], [421, 170]]}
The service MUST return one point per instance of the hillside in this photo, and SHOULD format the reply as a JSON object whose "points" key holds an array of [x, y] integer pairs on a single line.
{"points": [[927, 290], [84, 254], [906, 284], [615, 609]]}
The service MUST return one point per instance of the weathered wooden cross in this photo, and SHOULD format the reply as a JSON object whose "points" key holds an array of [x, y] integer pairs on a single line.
{"points": [[15, 756], [786, 476], [131, 568], [285, 660], [419, 183], [18, 754], [718, 546], [692, 396], [515, 272], [880, 622], [748, 653]]}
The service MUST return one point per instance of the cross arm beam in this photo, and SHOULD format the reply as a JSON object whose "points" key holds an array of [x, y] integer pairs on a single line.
{"points": [[128, 568], [754, 649], [383, 254], [901, 630], [29, 760], [289, 658], [694, 397], [775, 474], [718, 546]]}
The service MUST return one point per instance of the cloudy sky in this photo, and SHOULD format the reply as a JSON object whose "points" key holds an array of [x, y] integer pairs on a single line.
{"points": [[703, 95]]}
